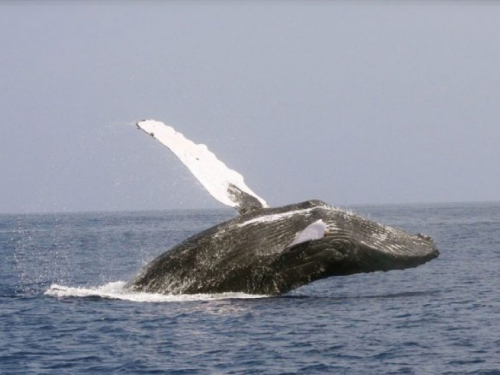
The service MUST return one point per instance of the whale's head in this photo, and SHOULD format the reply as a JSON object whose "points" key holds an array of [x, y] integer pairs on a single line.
{"points": [[349, 250]]}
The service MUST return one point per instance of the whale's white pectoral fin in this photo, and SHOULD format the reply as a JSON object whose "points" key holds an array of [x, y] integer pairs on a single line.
{"points": [[314, 231], [224, 184]]}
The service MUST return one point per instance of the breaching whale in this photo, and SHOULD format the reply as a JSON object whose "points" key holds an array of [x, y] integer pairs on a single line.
{"points": [[269, 250]]}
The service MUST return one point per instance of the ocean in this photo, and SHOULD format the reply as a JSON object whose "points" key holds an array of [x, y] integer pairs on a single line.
{"points": [[63, 309]]}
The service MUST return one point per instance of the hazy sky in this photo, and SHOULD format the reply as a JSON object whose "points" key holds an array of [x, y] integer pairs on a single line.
{"points": [[348, 102]]}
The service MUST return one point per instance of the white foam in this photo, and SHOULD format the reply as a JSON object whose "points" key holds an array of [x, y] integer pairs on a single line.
{"points": [[116, 290], [212, 173]]}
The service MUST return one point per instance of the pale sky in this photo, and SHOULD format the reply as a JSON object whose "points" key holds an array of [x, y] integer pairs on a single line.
{"points": [[347, 102]]}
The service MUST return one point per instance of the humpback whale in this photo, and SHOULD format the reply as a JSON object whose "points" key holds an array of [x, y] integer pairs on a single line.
{"points": [[268, 250]]}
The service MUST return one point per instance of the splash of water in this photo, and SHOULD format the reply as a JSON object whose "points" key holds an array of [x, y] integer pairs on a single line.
{"points": [[116, 290]]}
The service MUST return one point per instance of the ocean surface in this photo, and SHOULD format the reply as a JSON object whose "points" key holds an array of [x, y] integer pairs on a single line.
{"points": [[63, 309]]}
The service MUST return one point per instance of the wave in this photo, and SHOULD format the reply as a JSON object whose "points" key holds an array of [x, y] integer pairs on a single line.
{"points": [[117, 290]]}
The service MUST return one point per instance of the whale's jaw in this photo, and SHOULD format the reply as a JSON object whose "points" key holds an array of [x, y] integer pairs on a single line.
{"points": [[331, 256]]}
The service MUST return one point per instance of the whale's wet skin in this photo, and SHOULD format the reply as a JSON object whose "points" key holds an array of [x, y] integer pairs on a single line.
{"points": [[269, 250]]}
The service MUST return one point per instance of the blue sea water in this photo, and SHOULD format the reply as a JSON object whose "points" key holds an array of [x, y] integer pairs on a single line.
{"points": [[63, 309]]}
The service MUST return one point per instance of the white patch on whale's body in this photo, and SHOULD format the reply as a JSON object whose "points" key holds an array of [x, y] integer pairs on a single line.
{"points": [[276, 217], [314, 231]]}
